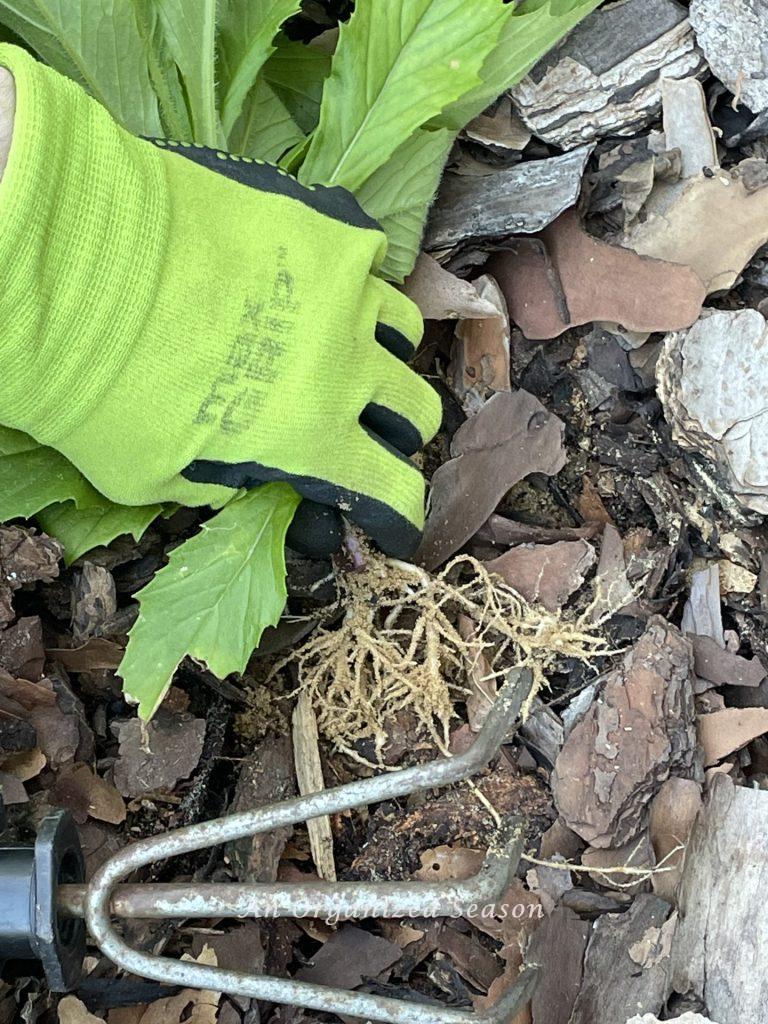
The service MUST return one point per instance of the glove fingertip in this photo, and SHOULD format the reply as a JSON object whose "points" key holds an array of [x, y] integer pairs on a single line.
{"points": [[316, 531]]}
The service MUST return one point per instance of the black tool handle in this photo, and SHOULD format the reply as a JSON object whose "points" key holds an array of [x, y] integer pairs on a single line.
{"points": [[30, 926]]}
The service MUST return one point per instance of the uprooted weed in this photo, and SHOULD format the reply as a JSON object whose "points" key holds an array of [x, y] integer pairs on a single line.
{"points": [[399, 647]]}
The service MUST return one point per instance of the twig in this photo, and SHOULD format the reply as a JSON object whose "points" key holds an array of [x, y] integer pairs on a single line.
{"points": [[309, 775]]}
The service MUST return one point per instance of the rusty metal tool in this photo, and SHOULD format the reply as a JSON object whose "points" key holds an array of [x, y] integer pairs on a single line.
{"points": [[44, 902]]}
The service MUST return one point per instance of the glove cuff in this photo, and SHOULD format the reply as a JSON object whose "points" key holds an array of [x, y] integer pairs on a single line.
{"points": [[83, 220]]}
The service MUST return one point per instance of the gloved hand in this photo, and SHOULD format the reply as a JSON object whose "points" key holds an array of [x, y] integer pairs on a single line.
{"points": [[179, 323]]}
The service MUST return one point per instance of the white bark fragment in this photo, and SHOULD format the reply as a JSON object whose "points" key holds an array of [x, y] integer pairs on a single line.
{"points": [[687, 1018], [734, 37], [686, 125], [720, 950], [713, 383], [605, 78]]}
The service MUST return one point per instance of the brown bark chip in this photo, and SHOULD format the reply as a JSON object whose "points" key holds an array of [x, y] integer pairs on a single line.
{"points": [[266, 776], [633, 737], [25, 557], [617, 981], [155, 755], [558, 947], [546, 574], [21, 648]]}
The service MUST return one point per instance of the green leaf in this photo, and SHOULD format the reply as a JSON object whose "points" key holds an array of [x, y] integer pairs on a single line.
{"points": [[163, 73], [246, 34], [38, 481], [13, 441], [534, 29], [399, 195], [292, 159], [213, 600], [189, 27], [265, 129], [7, 35], [97, 43], [297, 73], [397, 64], [33, 479], [21, 17], [83, 529], [400, 192]]}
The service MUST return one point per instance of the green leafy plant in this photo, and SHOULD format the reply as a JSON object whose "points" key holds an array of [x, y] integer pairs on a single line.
{"points": [[211, 596], [379, 117]]}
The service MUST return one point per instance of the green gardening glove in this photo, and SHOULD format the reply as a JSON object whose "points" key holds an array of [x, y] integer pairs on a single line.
{"points": [[179, 333]]}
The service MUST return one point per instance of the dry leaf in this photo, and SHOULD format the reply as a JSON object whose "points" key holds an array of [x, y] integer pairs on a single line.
{"points": [[673, 812], [191, 1005], [126, 1014], [449, 864], [349, 957], [96, 653], [72, 1011], [24, 764], [85, 794], [401, 934], [506, 533], [441, 295], [480, 353], [722, 667], [722, 732], [512, 436], [715, 225], [569, 278]]}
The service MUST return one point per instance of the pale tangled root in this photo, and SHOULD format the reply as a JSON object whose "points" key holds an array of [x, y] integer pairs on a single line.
{"points": [[398, 647]]}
